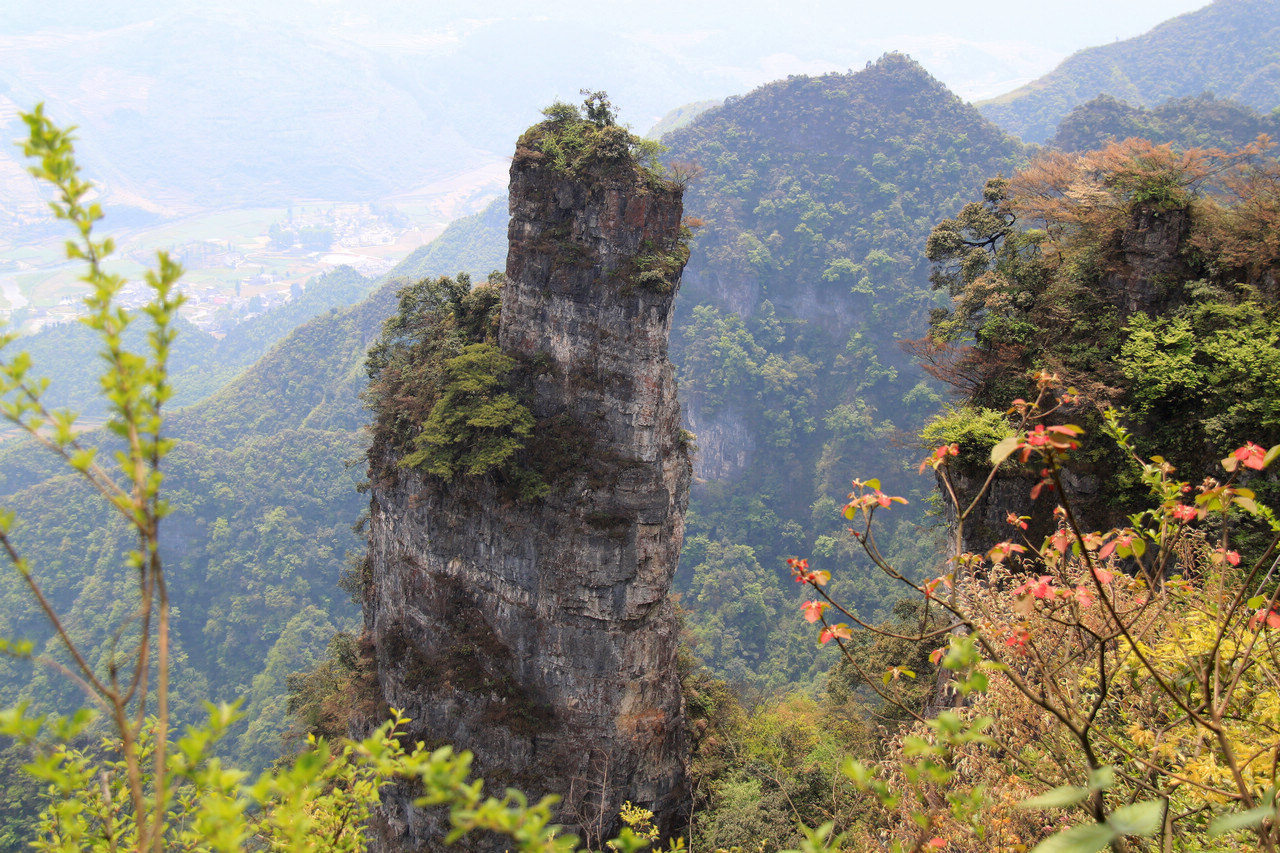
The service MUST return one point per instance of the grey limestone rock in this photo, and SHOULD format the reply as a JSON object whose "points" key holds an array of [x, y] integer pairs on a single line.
{"points": [[539, 634]]}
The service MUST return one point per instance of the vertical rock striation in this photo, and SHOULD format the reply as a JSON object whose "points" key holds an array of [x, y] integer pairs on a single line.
{"points": [[539, 633]]}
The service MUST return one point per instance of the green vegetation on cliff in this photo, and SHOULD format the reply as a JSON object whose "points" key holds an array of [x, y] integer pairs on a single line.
{"points": [[1141, 276], [588, 142], [441, 392]]}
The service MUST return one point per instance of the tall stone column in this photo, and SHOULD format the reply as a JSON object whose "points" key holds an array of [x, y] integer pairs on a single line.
{"points": [[539, 634]]}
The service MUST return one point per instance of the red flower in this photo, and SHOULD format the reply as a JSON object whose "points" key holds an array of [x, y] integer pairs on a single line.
{"points": [[931, 586], [1184, 513], [813, 610], [1039, 588], [830, 633], [939, 456], [1270, 617], [1061, 541], [1003, 550], [1251, 456], [1018, 640]]}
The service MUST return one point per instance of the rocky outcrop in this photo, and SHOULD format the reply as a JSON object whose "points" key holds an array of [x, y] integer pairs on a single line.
{"points": [[726, 443], [538, 633], [1010, 492], [1148, 275], [1152, 266]]}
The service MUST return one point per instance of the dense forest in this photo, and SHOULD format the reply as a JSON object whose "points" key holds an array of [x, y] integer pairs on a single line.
{"points": [[806, 277], [1201, 121]]}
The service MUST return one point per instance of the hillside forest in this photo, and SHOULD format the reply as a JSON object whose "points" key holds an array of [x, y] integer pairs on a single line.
{"points": [[979, 552]]}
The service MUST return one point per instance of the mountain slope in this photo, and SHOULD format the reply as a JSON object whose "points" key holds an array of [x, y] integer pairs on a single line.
{"points": [[68, 354], [817, 195], [263, 487], [1231, 47], [475, 244]]}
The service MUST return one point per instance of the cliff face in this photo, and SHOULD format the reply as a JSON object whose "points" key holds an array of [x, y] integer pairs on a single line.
{"points": [[539, 634], [1150, 271]]}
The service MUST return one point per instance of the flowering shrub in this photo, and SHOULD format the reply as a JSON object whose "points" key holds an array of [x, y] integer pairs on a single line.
{"points": [[1134, 672]]}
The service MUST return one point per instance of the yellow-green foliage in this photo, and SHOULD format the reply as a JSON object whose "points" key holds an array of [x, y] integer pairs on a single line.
{"points": [[975, 429], [589, 142], [1132, 672], [318, 801]]}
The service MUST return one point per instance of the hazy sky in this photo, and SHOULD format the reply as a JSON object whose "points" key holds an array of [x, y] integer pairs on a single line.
{"points": [[975, 47], [189, 103]]}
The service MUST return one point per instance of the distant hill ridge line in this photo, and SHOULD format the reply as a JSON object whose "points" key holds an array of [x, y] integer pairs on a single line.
{"points": [[1230, 48]]}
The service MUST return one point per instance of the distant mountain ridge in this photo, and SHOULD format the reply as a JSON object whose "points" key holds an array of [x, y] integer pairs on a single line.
{"points": [[1201, 121], [1230, 48]]}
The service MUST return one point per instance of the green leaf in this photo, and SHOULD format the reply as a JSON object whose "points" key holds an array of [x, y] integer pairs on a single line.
{"points": [[1271, 456], [1102, 778], [1066, 795], [1004, 449], [1144, 818], [1240, 820], [857, 772], [1088, 838], [1247, 504], [1256, 602]]}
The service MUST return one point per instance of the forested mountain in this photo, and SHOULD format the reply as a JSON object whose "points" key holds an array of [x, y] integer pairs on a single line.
{"points": [[263, 484], [1230, 48], [679, 117], [1204, 121], [812, 199], [816, 194]]}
